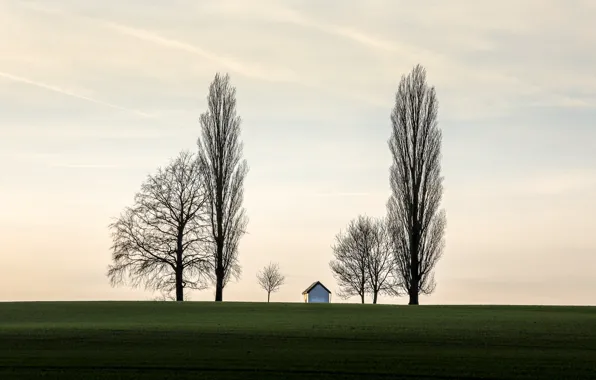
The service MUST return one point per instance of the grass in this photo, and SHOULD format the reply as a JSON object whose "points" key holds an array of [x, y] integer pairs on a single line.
{"points": [[194, 340]]}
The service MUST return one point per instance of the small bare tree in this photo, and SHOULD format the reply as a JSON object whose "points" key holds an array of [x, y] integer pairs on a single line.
{"points": [[380, 264], [224, 171], [161, 240], [270, 279], [416, 223]]}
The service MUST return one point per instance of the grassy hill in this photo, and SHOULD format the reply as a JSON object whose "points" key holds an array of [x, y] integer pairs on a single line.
{"points": [[195, 340]]}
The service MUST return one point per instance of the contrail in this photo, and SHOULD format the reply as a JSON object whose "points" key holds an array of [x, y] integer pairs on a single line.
{"points": [[62, 91]]}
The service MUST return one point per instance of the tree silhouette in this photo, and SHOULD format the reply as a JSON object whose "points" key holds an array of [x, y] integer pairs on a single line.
{"points": [[363, 261], [224, 171], [161, 240], [380, 263], [270, 279], [416, 223]]}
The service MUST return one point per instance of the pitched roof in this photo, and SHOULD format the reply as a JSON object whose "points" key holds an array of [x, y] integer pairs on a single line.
{"points": [[315, 284]]}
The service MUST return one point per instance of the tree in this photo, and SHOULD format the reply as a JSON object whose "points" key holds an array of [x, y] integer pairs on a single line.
{"points": [[224, 171], [161, 240], [416, 223], [270, 279], [380, 264], [350, 266], [363, 259]]}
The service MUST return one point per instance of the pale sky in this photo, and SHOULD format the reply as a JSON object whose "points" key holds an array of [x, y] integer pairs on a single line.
{"points": [[96, 95]]}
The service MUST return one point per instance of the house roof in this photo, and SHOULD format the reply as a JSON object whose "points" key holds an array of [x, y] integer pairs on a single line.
{"points": [[315, 284]]}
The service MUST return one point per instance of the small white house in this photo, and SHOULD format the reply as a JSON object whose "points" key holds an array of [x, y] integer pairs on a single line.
{"points": [[317, 293]]}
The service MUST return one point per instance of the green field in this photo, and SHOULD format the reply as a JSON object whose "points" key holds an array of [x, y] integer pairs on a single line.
{"points": [[195, 340]]}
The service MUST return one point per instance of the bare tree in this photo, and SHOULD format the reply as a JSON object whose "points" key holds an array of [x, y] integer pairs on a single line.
{"points": [[416, 223], [270, 279], [364, 259], [161, 240], [380, 264], [351, 251], [224, 171]]}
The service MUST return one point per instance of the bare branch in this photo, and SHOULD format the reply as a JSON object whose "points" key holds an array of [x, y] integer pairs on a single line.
{"points": [[380, 263], [270, 279], [350, 264], [416, 225], [161, 241]]}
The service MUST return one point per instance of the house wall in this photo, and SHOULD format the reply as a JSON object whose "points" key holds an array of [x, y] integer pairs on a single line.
{"points": [[318, 294]]}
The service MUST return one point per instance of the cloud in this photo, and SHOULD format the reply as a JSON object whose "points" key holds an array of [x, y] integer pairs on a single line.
{"points": [[83, 166], [260, 72], [251, 71], [273, 11], [355, 35], [475, 54], [73, 130], [65, 161], [269, 72], [557, 183], [50, 160], [60, 90], [445, 70], [440, 52], [563, 183], [339, 194]]}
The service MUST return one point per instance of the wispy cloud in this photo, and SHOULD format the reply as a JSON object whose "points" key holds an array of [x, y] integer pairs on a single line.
{"points": [[339, 194], [266, 73], [63, 91], [451, 70], [274, 11], [271, 74], [558, 183], [534, 185], [245, 67], [83, 166], [242, 68], [355, 35], [72, 130], [55, 160]]}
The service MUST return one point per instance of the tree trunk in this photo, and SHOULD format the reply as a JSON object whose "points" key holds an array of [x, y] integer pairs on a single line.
{"points": [[268, 296], [375, 297], [179, 287], [414, 263], [219, 270], [362, 298], [219, 284], [414, 284], [179, 269], [413, 297]]}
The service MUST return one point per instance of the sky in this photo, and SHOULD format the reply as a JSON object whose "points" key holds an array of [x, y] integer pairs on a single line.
{"points": [[94, 96]]}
